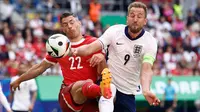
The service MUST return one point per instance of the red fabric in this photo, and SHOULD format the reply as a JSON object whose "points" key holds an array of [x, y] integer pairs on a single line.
{"points": [[91, 90], [91, 106], [76, 68], [39, 47], [12, 71], [66, 101], [88, 106]]}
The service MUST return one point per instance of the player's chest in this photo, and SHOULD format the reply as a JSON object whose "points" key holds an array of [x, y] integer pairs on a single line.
{"points": [[75, 62], [25, 85], [123, 47]]}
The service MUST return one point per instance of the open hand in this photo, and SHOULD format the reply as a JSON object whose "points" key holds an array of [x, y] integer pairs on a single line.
{"points": [[31, 107], [73, 52], [96, 59], [15, 85], [151, 98]]}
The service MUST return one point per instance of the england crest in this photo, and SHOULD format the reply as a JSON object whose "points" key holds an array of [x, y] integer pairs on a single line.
{"points": [[137, 50]]}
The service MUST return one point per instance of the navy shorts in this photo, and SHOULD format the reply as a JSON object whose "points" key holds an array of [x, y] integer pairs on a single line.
{"points": [[124, 103]]}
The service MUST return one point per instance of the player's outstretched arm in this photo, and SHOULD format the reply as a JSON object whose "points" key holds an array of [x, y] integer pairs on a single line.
{"points": [[33, 72], [145, 79], [88, 49]]}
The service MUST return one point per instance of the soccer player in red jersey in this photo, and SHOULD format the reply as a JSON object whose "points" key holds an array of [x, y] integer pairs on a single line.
{"points": [[78, 91]]}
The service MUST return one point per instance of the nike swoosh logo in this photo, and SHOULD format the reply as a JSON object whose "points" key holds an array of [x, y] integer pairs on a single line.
{"points": [[119, 43]]}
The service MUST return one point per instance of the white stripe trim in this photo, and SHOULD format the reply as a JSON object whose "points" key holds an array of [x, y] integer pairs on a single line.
{"points": [[76, 43], [49, 61], [69, 104]]}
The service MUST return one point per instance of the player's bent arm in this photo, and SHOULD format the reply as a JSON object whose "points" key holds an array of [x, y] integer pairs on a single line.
{"points": [[86, 50], [35, 71], [101, 66], [146, 77]]}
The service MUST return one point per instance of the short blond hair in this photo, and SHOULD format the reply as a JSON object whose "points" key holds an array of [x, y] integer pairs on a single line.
{"points": [[138, 5]]}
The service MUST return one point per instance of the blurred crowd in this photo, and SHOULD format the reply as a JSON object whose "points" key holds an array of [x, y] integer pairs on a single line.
{"points": [[25, 26], [178, 38]]}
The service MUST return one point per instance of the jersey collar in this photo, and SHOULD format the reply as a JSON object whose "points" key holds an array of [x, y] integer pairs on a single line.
{"points": [[76, 43], [127, 34]]}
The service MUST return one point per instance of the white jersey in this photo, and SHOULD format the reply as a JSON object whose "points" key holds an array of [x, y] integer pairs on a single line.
{"points": [[22, 97], [125, 56]]}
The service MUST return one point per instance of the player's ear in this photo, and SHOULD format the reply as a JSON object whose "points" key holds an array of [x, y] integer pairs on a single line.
{"points": [[79, 22], [145, 21]]}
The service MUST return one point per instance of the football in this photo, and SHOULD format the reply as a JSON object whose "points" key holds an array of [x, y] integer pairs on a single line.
{"points": [[58, 45]]}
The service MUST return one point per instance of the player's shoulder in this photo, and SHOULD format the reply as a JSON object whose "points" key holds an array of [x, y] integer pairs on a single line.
{"points": [[147, 33], [89, 38], [117, 27], [149, 36]]}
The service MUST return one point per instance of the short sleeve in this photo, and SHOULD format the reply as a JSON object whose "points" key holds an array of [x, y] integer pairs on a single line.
{"points": [[151, 50], [50, 59], [107, 36], [33, 86]]}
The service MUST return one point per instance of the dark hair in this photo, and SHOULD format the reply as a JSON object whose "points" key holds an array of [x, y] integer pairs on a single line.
{"points": [[138, 5], [66, 14]]}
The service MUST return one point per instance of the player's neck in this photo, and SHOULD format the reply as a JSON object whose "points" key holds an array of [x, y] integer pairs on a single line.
{"points": [[77, 39], [134, 35]]}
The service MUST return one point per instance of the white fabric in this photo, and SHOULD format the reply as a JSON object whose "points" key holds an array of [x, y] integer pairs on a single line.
{"points": [[107, 105], [2, 40], [3, 100], [37, 24], [22, 97], [126, 77], [5, 10], [75, 6]]}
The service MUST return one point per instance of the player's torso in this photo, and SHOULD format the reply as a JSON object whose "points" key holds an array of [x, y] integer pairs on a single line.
{"points": [[126, 53], [22, 96], [125, 60], [76, 68]]}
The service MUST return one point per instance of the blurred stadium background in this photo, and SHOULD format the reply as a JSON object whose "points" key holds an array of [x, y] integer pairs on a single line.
{"points": [[26, 24]]}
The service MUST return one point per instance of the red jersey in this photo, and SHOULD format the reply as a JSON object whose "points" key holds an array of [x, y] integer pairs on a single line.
{"points": [[76, 68]]}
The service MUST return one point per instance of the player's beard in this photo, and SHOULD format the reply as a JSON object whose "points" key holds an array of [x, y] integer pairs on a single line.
{"points": [[135, 29]]}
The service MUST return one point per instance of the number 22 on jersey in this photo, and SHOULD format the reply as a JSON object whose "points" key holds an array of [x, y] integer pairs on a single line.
{"points": [[75, 60]]}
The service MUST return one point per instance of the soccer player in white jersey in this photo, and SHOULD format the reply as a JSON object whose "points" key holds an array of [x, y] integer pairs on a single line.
{"points": [[4, 101], [23, 99], [132, 52]]}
